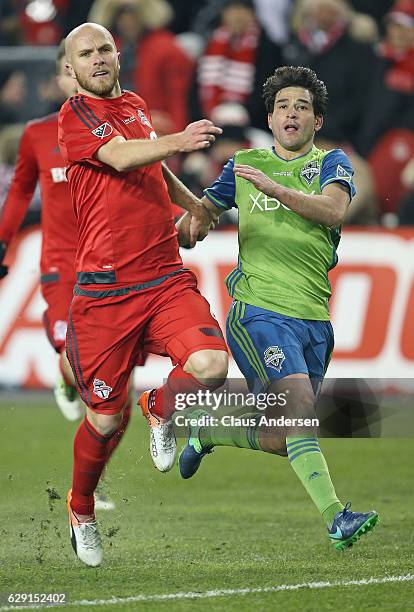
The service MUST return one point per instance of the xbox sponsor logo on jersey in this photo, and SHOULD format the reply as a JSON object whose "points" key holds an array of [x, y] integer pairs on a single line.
{"points": [[274, 357], [264, 203], [103, 130], [310, 171], [101, 389]]}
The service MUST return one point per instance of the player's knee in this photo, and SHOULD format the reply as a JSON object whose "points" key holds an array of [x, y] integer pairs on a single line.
{"points": [[217, 368], [306, 408], [300, 398], [209, 366], [269, 443], [105, 424]]}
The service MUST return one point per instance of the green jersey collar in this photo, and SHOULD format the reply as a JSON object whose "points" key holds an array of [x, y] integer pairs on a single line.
{"points": [[294, 158]]}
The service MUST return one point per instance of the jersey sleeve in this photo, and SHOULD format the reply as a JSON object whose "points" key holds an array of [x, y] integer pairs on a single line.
{"points": [[82, 132], [337, 168], [21, 189], [223, 191]]}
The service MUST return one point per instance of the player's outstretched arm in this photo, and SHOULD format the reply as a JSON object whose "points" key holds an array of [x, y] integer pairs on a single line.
{"points": [[328, 209], [125, 155], [182, 196], [201, 217]]}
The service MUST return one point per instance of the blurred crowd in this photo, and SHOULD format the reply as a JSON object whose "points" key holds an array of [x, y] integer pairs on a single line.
{"points": [[210, 58]]}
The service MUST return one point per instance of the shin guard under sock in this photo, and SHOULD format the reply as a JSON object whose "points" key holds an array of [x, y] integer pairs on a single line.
{"points": [[164, 398], [90, 453]]}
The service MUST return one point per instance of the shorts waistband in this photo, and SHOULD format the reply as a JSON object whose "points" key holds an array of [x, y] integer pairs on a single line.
{"points": [[125, 290], [54, 277], [96, 278]]}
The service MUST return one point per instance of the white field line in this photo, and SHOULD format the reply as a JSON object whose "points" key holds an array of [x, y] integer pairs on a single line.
{"points": [[113, 601]]}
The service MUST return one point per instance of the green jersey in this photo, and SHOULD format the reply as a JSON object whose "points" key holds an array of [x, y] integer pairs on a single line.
{"points": [[284, 259]]}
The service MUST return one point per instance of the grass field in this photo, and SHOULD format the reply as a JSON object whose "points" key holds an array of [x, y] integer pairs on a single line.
{"points": [[244, 522]]}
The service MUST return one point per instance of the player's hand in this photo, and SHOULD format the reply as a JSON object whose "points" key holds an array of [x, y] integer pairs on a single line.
{"points": [[262, 182], [198, 135], [199, 232], [3, 269], [201, 222]]}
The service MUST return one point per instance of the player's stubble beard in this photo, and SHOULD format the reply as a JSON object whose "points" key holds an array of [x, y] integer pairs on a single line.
{"points": [[101, 89], [306, 135]]}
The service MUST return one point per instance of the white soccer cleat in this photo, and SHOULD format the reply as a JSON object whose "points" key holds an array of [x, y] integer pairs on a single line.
{"points": [[85, 538], [163, 445], [67, 400]]}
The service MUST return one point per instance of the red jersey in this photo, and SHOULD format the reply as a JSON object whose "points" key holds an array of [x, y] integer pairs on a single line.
{"points": [[125, 222], [40, 159]]}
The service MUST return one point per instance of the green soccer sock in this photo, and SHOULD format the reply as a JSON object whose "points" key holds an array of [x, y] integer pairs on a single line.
{"points": [[310, 466], [240, 436]]}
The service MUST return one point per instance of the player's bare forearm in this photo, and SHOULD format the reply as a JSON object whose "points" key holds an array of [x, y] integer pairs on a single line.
{"points": [[179, 193], [199, 222], [323, 209], [214, 210], [126, 155], [328, 209], [201, 217]]}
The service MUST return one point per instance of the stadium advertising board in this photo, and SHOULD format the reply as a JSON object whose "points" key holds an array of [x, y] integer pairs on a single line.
{"points": [[372, 308]]}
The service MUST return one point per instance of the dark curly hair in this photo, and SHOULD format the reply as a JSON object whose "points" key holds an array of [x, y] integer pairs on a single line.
{"points": [[296, 76]]}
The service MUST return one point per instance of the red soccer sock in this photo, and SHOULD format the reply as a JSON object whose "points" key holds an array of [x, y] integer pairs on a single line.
{"points": [[90, 453], [178, 381], [117, 436]]}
